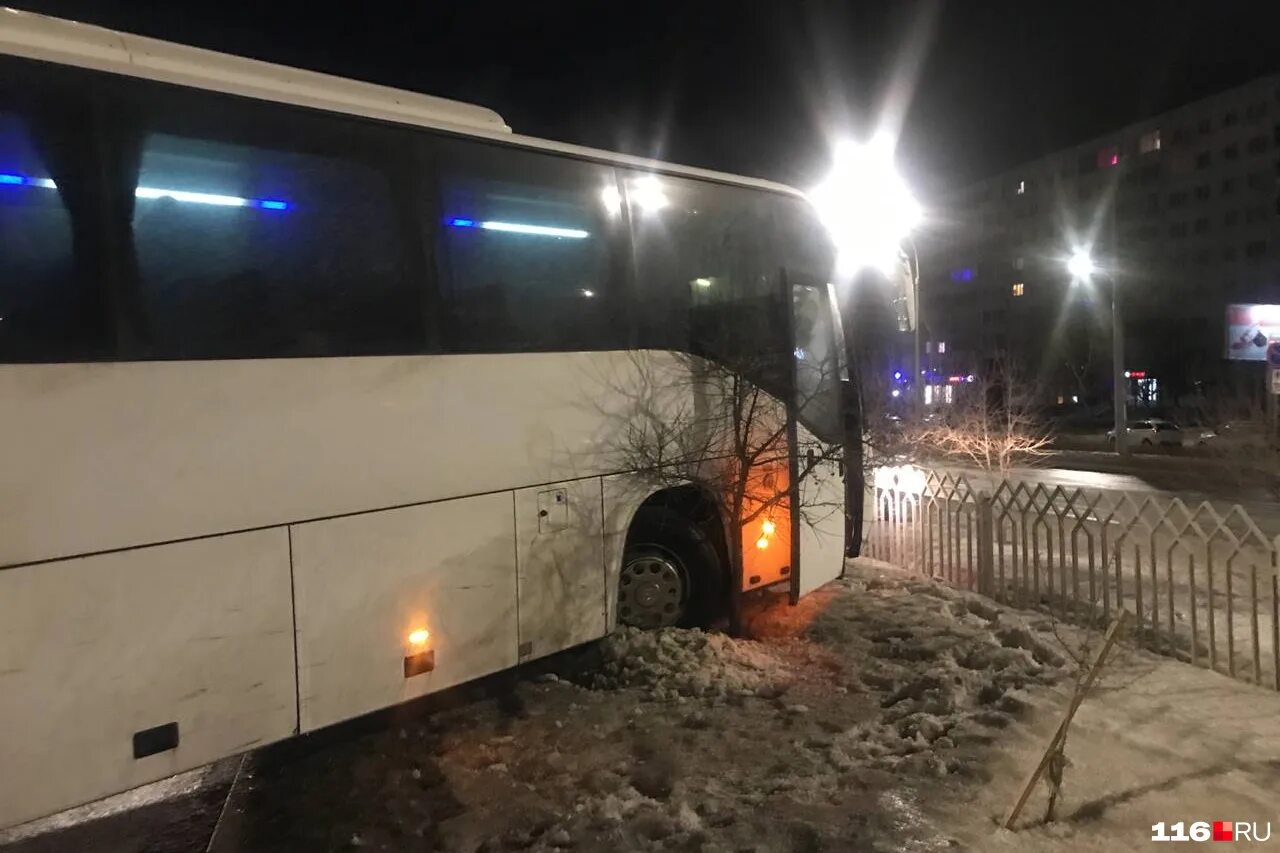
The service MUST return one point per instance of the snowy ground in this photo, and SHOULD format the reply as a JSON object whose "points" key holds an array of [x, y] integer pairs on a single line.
{"points": [[884, 713], [1206, 596]]}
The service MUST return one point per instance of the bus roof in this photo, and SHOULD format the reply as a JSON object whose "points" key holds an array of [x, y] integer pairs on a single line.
{"points": [[41, 37]]}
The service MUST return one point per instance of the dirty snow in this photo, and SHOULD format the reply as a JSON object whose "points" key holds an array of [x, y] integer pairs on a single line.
{"points": [[675, 664], [885, 712]]}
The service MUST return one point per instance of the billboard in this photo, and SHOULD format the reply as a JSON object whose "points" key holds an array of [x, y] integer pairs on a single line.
{"points": [[1249, 329]]}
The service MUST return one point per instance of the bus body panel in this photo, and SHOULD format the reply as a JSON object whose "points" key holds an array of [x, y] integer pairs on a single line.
{"points": [[366, 582], [115, 455], [54, 40], [560, 566], [74, 43], [822, 526], [96, 649]]}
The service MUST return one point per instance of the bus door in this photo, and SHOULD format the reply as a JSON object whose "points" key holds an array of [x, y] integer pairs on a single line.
{"points": [[821, 434]]}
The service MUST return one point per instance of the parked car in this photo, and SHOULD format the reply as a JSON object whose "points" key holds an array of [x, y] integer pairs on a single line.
{"points": [[1150, 432]]}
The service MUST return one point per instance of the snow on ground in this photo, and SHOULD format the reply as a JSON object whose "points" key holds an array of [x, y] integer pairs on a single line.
{"points": [[1160, 741], [885, 712]]}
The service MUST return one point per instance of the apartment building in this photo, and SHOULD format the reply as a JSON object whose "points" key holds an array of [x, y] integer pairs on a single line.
{"points": [[1182, 215]]}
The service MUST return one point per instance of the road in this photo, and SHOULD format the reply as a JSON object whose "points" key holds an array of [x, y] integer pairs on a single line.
{"points": [[1191, 479]]}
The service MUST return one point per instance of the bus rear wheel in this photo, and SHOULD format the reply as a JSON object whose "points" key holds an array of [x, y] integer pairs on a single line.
{"points": [[671, 573]]}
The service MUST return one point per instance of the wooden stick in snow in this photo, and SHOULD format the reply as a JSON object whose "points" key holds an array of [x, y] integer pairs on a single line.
{"points": [[1113, 633]]}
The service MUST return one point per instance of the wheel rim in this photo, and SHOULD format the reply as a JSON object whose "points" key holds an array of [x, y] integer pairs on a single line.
{"points": [[651, 592]]}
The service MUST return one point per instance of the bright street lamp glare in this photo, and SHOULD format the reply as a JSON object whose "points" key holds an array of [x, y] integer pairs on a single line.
{"points": [[865, 205], [1080, 264]]}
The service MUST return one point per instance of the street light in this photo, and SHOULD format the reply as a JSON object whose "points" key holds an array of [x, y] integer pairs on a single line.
{"points": [[869, 212], [866, 205], [1082, 268], [1080, 264]]}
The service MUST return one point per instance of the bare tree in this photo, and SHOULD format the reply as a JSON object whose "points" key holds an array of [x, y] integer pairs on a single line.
{"points": [[993, 424], [713, 423]]}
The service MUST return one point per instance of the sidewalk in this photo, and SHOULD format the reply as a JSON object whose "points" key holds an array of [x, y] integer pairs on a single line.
{"points": [[1159, 741]]}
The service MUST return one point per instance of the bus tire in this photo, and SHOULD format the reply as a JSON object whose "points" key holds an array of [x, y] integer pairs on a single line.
{"points": [[671, 574]]}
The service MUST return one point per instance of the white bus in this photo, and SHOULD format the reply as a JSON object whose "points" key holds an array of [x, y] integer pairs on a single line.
{"points": [[308, 392]]}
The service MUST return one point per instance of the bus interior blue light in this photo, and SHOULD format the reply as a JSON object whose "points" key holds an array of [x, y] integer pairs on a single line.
{"points": [[148, 193], [519, 228], [539, 230]]}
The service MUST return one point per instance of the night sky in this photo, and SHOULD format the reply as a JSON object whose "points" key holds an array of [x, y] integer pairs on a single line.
{"points": [[759, 87]]}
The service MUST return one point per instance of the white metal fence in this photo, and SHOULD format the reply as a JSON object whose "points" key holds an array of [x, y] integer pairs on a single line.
{"points": [[1200, 579]]}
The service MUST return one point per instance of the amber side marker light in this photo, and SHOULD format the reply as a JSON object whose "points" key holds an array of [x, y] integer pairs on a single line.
{"points": [[420, 659], [767, 529]]}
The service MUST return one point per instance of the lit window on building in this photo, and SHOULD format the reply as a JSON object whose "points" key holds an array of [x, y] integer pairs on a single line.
{"points": [[942, 347], [1149, 142], [962, 274], [1019, 288], [928, 347], [1022, 187], [1109, 156]]}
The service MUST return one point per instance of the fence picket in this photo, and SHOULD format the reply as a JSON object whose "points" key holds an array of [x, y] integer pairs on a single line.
{"points": [[1253, 622], [1001, 542]]}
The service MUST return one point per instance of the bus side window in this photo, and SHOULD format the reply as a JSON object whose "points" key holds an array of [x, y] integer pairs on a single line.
{"points": [[705, 281], [52, 303], [798, 240], [263, 231], [529, 248], [245, 252]]}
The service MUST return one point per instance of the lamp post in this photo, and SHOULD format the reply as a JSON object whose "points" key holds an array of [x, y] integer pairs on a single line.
{"points": [[913, 274], [1082, 268]]}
